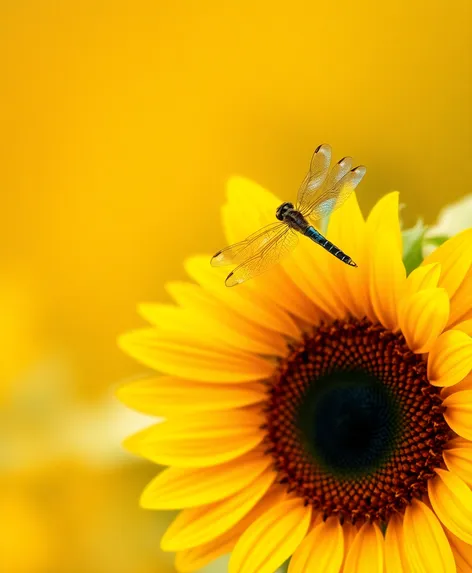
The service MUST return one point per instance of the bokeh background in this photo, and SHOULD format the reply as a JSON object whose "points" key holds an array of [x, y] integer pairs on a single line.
{"points": [[120, 123]]}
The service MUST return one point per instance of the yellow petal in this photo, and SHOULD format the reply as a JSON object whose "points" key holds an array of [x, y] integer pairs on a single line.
{"points": [[384, 216], [278, 285], [190, 295], [423, 277], [465, 384], [467, 316], [387, 280], [456, 442], [461, 302], [316, 519], [193, 297], [387, 272], [347, 230], [458, 459], [322, 550], [450, 358], [309, 270], [367, 551], [462, 552], [168, 317], [272, 539], [215, 326], [199, 525], [249, 207], [199, 441], [455, 257], [451, 499], [423, 317], [177, 488], [193, 360], [197, 557], [349, 532], [396, 560], [168, 396], [320, 275], [253, 306], [299, 560], [426, 544], [458, 412], [465, 326]]}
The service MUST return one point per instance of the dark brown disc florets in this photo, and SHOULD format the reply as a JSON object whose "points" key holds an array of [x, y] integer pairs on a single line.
{"points": [[353, 424]]}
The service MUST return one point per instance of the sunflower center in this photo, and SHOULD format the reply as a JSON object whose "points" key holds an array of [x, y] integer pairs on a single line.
{"points": [[353, 425], [349, 421]]}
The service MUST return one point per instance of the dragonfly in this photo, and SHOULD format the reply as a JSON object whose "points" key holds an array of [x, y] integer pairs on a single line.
{"points": [[322, 192]]}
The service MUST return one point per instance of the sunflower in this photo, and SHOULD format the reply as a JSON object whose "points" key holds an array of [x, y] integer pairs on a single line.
{"points": [[319, 413]]}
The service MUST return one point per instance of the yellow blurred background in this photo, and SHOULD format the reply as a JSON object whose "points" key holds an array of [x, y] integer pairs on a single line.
{"points": [[120, 122]]}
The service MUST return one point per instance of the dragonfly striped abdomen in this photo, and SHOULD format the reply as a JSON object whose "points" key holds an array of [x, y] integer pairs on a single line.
{"points": [[318, 238], [297, 221]]}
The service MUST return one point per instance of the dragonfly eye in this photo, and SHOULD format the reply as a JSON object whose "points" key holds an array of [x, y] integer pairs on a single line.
{"points": [[282, 209]]}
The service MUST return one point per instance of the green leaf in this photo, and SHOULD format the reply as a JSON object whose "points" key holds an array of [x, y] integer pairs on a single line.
{"points": [[413, 246], [436, 241]]}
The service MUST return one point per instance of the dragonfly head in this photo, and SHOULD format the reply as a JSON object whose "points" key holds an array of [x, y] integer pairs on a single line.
{"points": [[282, 210]]}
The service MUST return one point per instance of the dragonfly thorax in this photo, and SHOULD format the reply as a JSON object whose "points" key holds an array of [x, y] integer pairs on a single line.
{"points": [[282, 210]]}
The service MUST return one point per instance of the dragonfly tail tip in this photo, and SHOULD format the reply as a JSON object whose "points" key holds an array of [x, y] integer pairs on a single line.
{"points": [[352, 263]]}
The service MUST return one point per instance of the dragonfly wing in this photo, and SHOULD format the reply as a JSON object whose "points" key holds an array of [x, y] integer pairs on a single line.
{"points": [[342, 167], [239, 252], [280, 246], [332, 196], [339, 170], [316, 176]]}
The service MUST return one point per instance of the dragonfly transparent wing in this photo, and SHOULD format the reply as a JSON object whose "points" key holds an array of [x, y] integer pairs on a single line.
{"points": [[239, 252], [334, 194], [315, 178], [278, 247], [339, 170]]}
